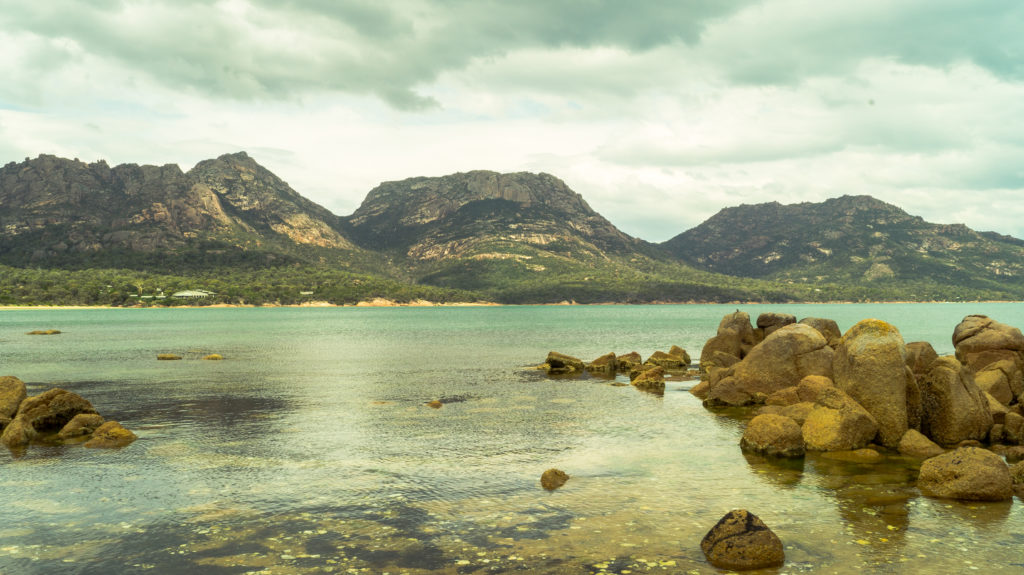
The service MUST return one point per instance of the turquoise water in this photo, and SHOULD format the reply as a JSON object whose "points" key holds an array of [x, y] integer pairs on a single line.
{"points": [[309, 449]]}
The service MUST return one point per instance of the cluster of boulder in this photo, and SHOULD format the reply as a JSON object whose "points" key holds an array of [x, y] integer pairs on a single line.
{"points": [[820, 390], [647, 375], [55, 415]]}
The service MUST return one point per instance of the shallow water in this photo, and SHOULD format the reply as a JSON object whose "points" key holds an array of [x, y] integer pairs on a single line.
{"points": [[310, 449]]}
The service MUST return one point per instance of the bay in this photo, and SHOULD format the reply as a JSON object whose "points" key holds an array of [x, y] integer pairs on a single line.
{"points": [[310, 449]]}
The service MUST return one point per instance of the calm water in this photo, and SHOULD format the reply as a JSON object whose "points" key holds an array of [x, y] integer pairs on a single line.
{"points": [[309, 450]]}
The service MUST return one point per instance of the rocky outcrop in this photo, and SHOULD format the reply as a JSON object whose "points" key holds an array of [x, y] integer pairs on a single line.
{"points": [[870, 366], [12, 393], [968, 473], [741, 541], [735, 337], [838, 423], [784, 358], [773, 435], [954, 409]]}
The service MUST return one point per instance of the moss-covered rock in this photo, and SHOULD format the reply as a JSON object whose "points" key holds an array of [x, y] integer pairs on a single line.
{"points": [[553, 478], [954, 409], [562, 364], [111, 435], [53, 409], [651, 380], [838, 423], [607, 364], [12, 393], [774, 435], [968, 473], [81, 424], [18, 433]]}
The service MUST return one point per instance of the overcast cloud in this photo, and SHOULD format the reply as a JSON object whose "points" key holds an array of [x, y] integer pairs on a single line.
{"points": [[660, 112]]}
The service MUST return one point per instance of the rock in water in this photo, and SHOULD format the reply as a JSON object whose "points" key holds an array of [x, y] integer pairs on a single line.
{"points": [[12, 393], [553, 478], [111, 434], [651, 380], [838, 423], [870, 366], [915, 444], [741, 541], [559, 363], [606, 364], [18, 433], [771, 434], [968, 473], [53, 409], [81, 424]]}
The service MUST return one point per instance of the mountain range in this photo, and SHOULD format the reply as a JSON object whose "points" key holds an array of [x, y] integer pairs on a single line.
{"points": [[515, 238]]}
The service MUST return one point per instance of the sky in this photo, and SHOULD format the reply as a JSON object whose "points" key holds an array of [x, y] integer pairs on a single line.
{"points": [[660, 113]]}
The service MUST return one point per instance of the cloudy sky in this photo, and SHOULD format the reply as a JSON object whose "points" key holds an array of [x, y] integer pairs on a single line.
{"points": [[659, 112]]}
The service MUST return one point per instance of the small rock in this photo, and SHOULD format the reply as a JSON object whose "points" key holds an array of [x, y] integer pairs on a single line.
{"points": [[630, 361], [44, 332], [651, 380], [741, 541], [559, 363], [167, 356], [915, 444], [553, 478], [214, 357], [111, 434], [435, 404], [606, 364]]}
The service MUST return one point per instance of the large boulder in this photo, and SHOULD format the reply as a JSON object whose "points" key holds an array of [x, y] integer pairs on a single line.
{"points": [[784, 358], [870, 366], [741, 541], [561, 364], [18, 433], [735, 337], [954, 409], [827, 327], [838, 423], [12, 393], [109, 435], [977, 334], [774, 435], [52, 410], [769, 322], [968, 473]]}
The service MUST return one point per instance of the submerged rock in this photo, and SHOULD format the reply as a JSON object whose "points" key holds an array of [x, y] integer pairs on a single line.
{"points": [[168, 356], [44, 332], [968, 473], [741, 541], [111, 434], [553, 478], [214, 357]]}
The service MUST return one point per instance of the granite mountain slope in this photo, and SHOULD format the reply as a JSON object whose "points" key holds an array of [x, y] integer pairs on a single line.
{"points": [[850, 239]]}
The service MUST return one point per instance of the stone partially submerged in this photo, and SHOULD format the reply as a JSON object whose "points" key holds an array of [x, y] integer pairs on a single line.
{"points": [[741, 541], [12, 393], [775, 435], [954, 409], [968, 473]]}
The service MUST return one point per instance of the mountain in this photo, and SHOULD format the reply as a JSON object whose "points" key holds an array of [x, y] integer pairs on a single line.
{"points": [[850, 239], [58, 210], [462, 214]]}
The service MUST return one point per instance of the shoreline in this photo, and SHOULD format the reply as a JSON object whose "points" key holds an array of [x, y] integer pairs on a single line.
{"points": [[381, 302]]}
